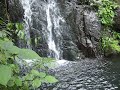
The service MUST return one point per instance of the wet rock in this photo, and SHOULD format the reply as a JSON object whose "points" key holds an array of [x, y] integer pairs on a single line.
{"points": [[80, 32], [2, 9], [92, 31], [117, 20], [39, 27], [15, 10], [84, 26]]}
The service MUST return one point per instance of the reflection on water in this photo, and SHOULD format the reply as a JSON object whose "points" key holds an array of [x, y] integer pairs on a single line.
{"points": [[87, 75]]}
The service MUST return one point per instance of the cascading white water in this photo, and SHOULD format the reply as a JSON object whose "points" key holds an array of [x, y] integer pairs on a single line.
{"points": [[27, 19], [53, 20]]}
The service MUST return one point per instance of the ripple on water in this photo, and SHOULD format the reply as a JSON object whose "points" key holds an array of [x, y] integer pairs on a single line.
{"points": [[86, 75]]}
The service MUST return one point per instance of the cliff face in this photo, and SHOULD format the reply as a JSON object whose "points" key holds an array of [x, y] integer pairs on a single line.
{"points": [[12, 10], [82, 27], [2, 9], [15, 10], [80, 34], [117, 20], [84, 24]]}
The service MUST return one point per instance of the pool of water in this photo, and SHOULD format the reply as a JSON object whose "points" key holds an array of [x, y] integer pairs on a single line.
{"points": [[88, 74]]}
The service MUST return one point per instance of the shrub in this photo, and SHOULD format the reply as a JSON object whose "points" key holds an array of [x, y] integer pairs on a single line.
{"points": [[12, 57]]}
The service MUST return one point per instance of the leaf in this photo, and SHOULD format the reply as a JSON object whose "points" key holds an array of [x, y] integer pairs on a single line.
{"points": [[2, 57], [42, 75], [19, 26], [5, 74], [28, 54], [50, 79], [36, 40], [11, 83], [29, 77], [35, 72], [5, 44], [25, 86], [13, 50], [18, 81], [1, 22], [39, 74], [48, 62], [36, 83], [10, 26], [21, 34]]}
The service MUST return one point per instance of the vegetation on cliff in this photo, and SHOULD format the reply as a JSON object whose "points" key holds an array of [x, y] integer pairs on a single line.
{"points": [[110, 38]]}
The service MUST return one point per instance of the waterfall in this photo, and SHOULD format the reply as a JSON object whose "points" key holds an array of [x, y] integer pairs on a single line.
{"points": [[27, 21], [53, 27], [51, 30]]}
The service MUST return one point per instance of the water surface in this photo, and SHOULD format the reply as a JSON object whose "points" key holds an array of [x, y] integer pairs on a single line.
{"points": [[88, 74]]}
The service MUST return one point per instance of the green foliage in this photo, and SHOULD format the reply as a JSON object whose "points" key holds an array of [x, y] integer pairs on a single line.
{"points": [[36, 83], [106, 11], [28, 54], [37, 78], [5, 74], [111, 44], [50, 79], [10, 71], [11, 56], [36, 40], [19, 26], [16, 28], [11, 29]]}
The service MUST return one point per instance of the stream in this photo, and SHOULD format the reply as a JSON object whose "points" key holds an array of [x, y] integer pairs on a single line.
{"points": [[88, 74]]}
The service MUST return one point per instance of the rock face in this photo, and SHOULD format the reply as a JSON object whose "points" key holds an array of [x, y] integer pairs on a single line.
{"points": [[11, 9], [117, 20], [39, 27], [80, 33], [2, 7], [84, 25], [15, 10]]}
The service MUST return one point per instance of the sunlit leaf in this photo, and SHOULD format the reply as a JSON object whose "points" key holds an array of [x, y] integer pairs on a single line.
{"points": [[19, 26], [42, 75], [50, 79], [28, 54], [35, 72], [5, 74], [36, 83], [18, 81], [10, 26], [29, 77]]}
